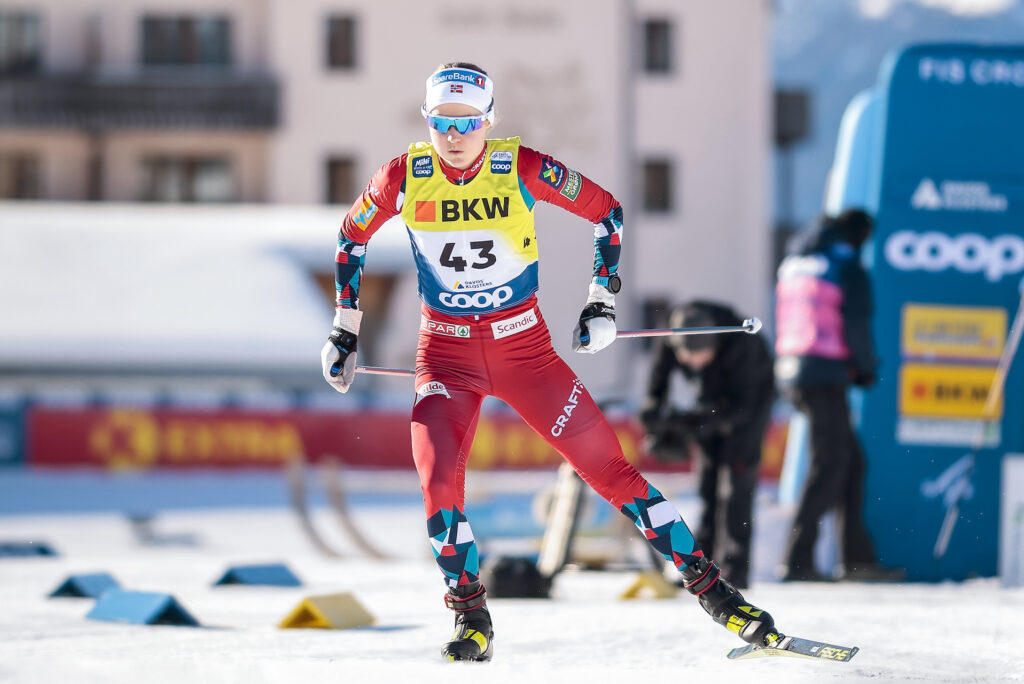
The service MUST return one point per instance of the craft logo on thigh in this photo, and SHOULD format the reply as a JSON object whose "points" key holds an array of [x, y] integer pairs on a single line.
{"points": [[570, 405]]}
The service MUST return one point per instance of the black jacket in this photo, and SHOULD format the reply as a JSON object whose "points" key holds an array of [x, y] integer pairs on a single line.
{"points": [[734, 386]]}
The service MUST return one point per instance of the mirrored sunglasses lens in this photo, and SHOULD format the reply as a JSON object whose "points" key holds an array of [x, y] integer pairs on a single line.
{"points": [[443, 123]]}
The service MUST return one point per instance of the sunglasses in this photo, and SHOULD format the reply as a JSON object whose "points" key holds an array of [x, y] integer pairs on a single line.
{"points": [[463, 124]]}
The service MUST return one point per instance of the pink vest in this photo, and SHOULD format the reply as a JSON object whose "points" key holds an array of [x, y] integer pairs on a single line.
{"points": [[808, 321]]}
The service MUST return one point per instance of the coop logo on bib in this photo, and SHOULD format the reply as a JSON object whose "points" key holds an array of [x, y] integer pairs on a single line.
{"points": [[476, 300], [501, 161]]}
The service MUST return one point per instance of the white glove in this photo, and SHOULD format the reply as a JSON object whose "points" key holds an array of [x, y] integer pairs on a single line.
{"points": [[338, 356], [596, 328]]}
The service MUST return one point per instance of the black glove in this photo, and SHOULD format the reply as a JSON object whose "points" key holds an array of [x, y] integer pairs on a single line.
{"points": [[649, 416], [667, 445], [698, 425]]}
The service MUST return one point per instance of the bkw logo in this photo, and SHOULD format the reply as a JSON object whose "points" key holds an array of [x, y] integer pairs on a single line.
{"points": [[476, 209]]}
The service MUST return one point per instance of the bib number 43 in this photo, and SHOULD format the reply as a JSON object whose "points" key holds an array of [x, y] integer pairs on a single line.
{"points": [[483, 252]]}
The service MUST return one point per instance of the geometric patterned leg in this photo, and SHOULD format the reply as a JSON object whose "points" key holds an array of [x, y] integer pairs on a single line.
{"points": [[454, 547], [661, 524]]}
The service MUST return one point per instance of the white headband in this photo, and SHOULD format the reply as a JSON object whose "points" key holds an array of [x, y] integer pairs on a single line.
{"points": [[464, 86]]}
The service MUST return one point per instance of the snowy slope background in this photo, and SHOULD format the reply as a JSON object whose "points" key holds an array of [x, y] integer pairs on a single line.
{"points": [[967, 632]]}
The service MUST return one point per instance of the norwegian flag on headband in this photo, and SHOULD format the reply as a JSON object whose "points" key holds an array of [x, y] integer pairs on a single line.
{"points": [[456, 88]]}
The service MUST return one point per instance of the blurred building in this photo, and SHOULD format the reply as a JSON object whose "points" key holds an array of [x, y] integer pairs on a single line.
{"points": [[296, 102]]}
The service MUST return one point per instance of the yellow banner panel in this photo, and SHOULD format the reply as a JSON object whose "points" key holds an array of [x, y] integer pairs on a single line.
{"points": [[964, 332], [947, 391]]}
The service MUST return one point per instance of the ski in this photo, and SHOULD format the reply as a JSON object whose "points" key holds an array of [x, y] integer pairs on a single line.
{"points": [[795, 647]]}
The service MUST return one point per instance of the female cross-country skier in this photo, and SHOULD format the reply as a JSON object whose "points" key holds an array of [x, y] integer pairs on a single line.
{"points": [[467, 201]]}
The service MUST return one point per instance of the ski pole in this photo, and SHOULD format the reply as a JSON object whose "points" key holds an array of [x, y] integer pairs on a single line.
{"points": [[994, 393], [750, 326], [377, 370]]}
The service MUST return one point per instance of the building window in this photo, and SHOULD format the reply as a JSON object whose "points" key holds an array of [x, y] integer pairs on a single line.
{"points": [[341, 42], [187, 179], [186, 41], [657, 185], [21, 43], [657, 46], [342, 185], [19, 176]]}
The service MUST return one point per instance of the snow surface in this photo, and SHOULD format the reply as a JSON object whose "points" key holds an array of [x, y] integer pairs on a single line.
{"points": [[967, 632]]}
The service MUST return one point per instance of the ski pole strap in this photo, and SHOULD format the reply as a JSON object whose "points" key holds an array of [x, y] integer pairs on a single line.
{"points": [[343, 339], [460, 604], [595, 309], [704, 582]]}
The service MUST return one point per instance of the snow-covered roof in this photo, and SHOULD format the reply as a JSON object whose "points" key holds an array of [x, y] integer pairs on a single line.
{"points": [[170, 284]]}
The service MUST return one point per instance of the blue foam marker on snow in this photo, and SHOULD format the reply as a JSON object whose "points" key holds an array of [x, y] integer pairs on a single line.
{"points": [[275, 574], [24, 549], [142, 608], [91, 585]]}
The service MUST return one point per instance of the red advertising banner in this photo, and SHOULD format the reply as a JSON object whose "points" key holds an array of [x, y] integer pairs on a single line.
{"points": [[129, 438]]}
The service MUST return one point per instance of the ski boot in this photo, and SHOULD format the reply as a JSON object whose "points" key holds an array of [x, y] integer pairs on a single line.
{"points": [[473, 633], [726, 605]]}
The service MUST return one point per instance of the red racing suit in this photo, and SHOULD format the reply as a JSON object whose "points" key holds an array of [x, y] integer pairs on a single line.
{"points": [[483, 334]]}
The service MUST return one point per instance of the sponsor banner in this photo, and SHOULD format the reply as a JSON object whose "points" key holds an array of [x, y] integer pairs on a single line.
{"points": [[946, 391], [935, 252], [134, 439], [977, 71], [961, 332], [948, 432]]}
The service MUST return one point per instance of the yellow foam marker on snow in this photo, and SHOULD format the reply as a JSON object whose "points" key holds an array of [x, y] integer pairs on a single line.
{"points": [[328, 611], [650, 584]]}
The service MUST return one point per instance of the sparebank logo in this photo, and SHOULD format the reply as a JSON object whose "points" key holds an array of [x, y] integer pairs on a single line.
{"points": [[997, 257], [477, 300], [952, 195]]}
